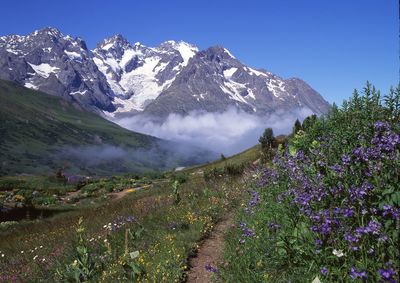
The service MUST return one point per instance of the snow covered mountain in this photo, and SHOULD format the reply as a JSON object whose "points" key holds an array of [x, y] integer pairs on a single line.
{"points": [[120, 79], [57, 64], [138, 74]]}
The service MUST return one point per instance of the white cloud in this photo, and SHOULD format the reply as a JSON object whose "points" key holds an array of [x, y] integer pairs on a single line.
{"points": [[226, 132]]}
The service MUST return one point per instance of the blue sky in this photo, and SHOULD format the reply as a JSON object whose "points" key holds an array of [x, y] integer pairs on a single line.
{"points": [[333, 45]]}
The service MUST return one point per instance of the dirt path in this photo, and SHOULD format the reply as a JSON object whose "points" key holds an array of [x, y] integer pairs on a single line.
{"points": [[121, 194], [209, 253], [70, 195]]}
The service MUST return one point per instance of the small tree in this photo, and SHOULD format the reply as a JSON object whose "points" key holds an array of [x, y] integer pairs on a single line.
{"points": [[267, 140], [297, 127], [310, 120]]}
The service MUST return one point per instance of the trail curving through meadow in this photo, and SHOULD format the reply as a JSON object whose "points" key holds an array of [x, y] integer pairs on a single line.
{"points": [[210, 252]]}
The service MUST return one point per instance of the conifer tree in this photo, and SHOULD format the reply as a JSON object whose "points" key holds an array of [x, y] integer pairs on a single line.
{"points": [[297, 127]]}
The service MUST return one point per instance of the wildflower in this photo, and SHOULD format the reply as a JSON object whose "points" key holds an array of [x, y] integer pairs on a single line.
{"points": [[274, 226], [22, 252], [211, 268], [324, 271], [247, 232], [338, 253], [354, 273], [390, 210], [337, 168], [35, 257], [352, 239], [345, 159], [386, 274], [318, 242], [2, 255], [347, 212]]}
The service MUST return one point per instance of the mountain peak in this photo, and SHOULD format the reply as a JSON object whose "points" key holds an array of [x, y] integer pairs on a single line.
{"points": [[48, 31], [216, 52], [178, 45], [116, 40], [186, 50]]}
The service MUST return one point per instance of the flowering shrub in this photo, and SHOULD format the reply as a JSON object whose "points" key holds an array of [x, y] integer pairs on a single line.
{"points": [[329, 204]]}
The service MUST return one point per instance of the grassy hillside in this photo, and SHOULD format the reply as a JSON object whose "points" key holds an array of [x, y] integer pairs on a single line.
{"points": [[248, 156], [41, 133]]}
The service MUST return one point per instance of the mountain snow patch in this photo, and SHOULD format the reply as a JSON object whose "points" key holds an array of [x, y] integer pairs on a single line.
{"points": [[44, 70]]}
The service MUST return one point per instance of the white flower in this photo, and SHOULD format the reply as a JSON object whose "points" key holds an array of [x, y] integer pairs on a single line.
{"points": [[338, 253], [43, 259], [41, 247], [35, 257], [2, 255], [22, 252]]}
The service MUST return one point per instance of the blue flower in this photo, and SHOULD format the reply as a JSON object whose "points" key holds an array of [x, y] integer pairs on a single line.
{"points": [[354, 273]]}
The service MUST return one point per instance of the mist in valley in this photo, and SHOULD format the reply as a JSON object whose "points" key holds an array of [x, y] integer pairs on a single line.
{"points": [[226, 132]]}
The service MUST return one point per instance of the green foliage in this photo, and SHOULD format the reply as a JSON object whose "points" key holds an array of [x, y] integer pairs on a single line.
{"points": [[310, 121], [328, 206], [267, 141], [228, 170], [175, 191], [82, 268], [297, 127], [181, 177]]}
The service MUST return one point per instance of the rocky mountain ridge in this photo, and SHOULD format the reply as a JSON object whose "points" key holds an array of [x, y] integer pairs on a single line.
{"points": [[118, 79]]}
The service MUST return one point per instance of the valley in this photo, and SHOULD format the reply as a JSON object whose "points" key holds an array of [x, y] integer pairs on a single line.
{"points": [[147, 233], [199, 142]]}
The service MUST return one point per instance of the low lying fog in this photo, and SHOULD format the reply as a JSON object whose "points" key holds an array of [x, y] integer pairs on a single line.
{"points": [[228, 132]]}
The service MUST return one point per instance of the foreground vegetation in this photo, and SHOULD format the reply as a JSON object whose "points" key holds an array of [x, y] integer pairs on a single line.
{"points": [[148, 235], [327, 208]]}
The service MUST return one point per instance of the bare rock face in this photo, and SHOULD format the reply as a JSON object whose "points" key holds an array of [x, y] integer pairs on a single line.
{"points": [[118, 78]]}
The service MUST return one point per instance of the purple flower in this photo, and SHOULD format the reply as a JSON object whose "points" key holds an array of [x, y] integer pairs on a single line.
{"points": [[351, 238], [390, 210], [347, 212], [354, 273], [246, 232], [337, 168], [386, 274], [324, 271], [381, 126], [254, 201], [274, 226], [383, 238], [346, 159], [211, 268]]}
